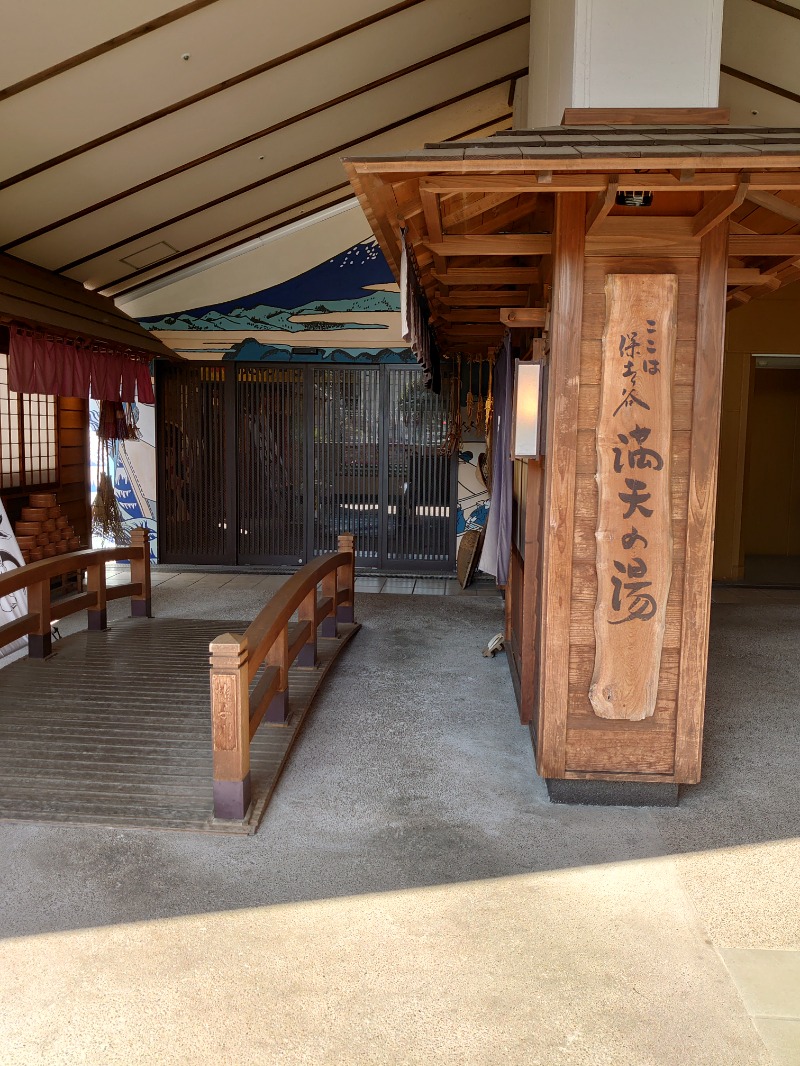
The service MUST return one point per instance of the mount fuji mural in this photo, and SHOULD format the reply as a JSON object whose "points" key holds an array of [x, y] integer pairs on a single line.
{"points": [[344, 310]]}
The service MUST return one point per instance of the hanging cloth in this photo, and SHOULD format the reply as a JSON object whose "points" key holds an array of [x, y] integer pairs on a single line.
{"points": [[497, 541], [50, 365]]}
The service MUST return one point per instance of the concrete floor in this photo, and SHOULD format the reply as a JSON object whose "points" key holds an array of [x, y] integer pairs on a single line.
{"points": [[412, 897]]}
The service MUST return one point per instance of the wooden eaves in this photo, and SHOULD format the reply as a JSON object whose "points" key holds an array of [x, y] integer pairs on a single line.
{"points": [[478, 214], [36, 297]]}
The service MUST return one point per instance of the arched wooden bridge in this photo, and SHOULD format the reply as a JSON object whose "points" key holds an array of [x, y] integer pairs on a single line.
{"points": [[127, 726]]}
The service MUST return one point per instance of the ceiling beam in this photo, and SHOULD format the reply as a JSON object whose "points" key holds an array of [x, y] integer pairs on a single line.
{"points": [[775, 204], [254, 184], [487, 298], [766, 244], [776, 5], [469, 211], [106, 46], [213, 90], [488, 276], [276, 127], [493, 244], [460, 314], [524, 317], [747, 276], [770, 87], [718, 209], [601, 206]]}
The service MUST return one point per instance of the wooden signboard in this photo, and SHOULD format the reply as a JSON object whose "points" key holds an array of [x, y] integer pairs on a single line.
{"points": [[634, 527]]}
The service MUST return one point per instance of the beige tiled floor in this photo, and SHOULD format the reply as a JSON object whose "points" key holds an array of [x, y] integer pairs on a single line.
{"points": [[769, 984], [367, 583]]}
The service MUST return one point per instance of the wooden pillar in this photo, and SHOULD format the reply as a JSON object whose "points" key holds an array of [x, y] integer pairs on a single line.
{"points": [[706, 406], [307, 656], [230, 723], [611, 727], [346, 578], [40, 640], [559, 502], [328, 626], [96, 584], [141, 604], [278, 656]]}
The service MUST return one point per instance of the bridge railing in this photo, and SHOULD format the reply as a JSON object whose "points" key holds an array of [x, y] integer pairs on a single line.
{"points": [[274, 642], [43, 611]]}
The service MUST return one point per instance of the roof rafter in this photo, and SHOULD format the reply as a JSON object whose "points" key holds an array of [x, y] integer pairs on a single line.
{"points": [[333, 151], [204, 94]]}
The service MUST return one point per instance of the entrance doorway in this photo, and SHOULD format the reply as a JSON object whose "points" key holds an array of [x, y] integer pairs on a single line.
{"points": [[771, 510], [268, 464]]}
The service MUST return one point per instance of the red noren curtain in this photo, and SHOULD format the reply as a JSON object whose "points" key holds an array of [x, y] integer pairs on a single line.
{"points": [[58, 366]]}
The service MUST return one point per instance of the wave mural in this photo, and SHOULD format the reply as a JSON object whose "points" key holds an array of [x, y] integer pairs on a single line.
{"points": [[346, 309]]}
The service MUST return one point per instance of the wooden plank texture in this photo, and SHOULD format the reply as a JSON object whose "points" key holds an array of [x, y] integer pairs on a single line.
{"points": [[634, 469], [559, 504], [101, 734], [702, 488]]}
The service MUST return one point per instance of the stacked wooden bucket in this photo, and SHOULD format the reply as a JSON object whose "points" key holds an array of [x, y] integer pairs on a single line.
{"points": [[43, 530]]}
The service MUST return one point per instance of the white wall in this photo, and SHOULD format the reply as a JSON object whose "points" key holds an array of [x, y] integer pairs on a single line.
{"points": [[623, 53]]}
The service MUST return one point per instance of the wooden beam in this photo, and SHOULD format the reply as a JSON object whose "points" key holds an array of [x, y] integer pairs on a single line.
{"points": [[486, 298], [602, 206], [476, 332], [722, 205], [767, 244], [337, 150], [702, 492], [508, 183], [488, 276], [775, 204], [289, 121], [478, 207], [523, 317], [646, 116], [107, 46], [559, 504], [475, 314], [500, 244], [751, 276]]}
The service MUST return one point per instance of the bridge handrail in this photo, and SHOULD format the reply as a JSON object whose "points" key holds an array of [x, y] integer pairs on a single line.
{"points": [[42, 612], [271, 641]]}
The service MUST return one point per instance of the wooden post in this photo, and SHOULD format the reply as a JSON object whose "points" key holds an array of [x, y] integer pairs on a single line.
{"points": [[278, 656], [558, 517], [346, 578], [230, 725], [328, 626], [96, 582], [141, 604], [40, 641], [307, 656]]}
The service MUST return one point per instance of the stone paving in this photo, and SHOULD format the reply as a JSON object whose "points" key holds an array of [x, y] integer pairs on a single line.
{"points": [[412, 897]]}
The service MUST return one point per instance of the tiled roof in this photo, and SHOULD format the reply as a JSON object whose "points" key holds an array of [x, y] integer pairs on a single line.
{"points": [[588, 142]]}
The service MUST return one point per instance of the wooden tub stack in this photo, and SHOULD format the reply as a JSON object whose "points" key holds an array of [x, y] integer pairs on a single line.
{"points": [[43, 531]]}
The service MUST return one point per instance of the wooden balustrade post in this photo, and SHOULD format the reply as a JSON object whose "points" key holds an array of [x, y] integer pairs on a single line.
{"points": [[96, 583], [278, 656], [346, 576], [40, 643], [328, 626], [141, 605], [230, 726], [307, 656]]}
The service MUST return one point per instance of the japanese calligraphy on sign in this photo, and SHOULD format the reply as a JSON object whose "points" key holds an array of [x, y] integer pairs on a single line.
{"points": [[634, 528]]}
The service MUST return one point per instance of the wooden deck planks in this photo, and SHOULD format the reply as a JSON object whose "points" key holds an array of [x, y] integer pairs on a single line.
{"points": [[115, 729]]}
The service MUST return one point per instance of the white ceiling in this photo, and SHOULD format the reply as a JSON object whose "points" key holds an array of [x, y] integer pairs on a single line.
{"points": [[118, 151]]}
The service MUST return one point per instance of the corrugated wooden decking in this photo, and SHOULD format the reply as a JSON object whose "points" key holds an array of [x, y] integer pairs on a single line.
{"points": [[115, 729]]}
